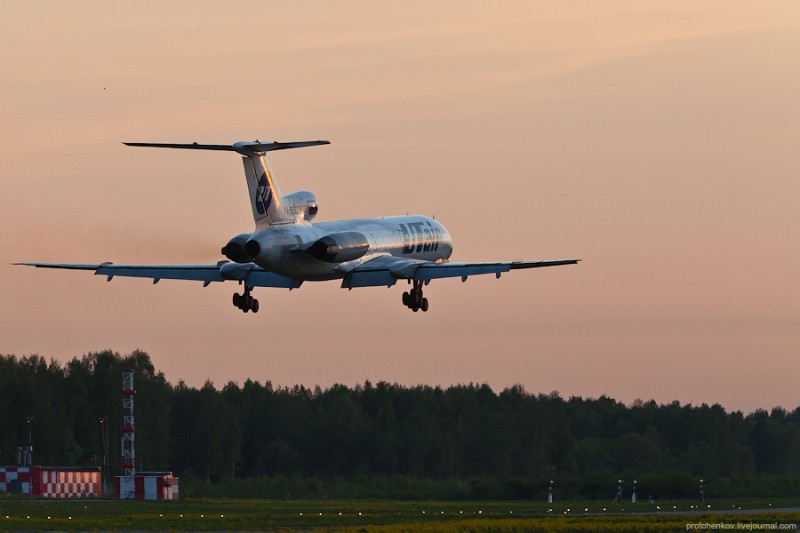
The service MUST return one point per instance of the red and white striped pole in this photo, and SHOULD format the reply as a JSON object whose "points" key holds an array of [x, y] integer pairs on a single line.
{"points": [[128, 431]]}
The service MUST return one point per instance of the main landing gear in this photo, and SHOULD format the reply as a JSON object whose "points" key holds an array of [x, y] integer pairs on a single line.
{"points": [[244, 301], [414, 300]]}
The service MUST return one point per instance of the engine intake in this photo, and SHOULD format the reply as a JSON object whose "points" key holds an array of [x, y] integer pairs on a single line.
{"points": [[340, 247], [252, 248], [235, 249]]}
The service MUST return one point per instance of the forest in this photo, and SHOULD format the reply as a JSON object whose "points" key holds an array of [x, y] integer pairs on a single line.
{"points": [[387, 440]]}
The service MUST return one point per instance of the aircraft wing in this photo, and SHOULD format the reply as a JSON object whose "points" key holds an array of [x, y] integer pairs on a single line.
{"points": [[386, 270], [249, 273]]}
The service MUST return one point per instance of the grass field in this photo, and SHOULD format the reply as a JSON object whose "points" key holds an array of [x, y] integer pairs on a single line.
{"points": [[371, 516]]}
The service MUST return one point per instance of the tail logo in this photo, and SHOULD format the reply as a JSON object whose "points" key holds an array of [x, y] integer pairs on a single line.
{"points": [[263, 197]]}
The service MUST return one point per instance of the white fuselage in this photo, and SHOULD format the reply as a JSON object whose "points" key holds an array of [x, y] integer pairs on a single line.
{"points": [[410, 237], [287, 249]]}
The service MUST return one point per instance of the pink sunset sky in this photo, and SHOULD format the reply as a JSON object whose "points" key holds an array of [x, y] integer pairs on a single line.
{"points": [[656, 141]]}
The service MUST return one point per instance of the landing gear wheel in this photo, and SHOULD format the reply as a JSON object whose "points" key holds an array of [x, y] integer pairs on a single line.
{"points": [[414, 300], [244, 301]]}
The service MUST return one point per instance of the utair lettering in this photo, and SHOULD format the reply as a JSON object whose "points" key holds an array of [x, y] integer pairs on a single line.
{"points": [[420, 237]]}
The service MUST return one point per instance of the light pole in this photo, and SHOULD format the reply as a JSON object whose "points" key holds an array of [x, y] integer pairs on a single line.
{"points": [[104, 436], [550, 493], [28, 455], [702, 492], [633, 496], [619, 490]]}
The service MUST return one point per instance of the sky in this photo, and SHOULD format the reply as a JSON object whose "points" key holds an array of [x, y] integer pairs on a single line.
{"points": [[655, 141]]}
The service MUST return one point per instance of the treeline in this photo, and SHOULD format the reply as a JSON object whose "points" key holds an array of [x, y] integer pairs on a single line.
{"points": [[388, 440]]}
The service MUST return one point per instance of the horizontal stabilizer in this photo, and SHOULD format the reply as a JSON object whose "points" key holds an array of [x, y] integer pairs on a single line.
{"points": [[245, 148]]}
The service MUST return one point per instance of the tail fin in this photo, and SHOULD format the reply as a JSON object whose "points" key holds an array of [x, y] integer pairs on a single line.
{"points": [[265, 198]]}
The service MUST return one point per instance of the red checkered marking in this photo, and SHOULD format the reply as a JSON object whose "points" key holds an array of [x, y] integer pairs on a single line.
{"points": [[70, 484]]}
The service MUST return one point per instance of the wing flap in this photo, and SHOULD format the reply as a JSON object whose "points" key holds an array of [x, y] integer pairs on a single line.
{"points": [[264, 278], [431, 271], [254, 276], [373, 278], [382, 271], [386, 270], [206, 273]]}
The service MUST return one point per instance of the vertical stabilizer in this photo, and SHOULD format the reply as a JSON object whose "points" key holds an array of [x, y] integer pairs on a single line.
{"points": [[265, 197]]}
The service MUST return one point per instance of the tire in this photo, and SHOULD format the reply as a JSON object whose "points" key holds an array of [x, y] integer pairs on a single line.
{"points": [[424, 305], [406, 299], [237, 300], [254, 307]]}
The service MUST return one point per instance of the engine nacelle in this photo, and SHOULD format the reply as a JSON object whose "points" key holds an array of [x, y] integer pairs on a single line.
{"points": [[302, 204], [234, 250], [340, 247]]}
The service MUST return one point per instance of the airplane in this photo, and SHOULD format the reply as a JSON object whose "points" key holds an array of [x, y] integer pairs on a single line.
{"points": [[287, 249]]}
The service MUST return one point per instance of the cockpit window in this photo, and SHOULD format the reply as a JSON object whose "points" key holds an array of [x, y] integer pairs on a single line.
{"points": [[312, 209]]}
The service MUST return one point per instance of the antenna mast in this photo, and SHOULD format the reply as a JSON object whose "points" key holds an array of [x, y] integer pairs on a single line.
{"points": [[128, 428]]}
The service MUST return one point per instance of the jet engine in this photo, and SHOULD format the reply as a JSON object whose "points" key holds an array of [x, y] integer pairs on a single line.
{"points": [[340, 247], [234, 250]]}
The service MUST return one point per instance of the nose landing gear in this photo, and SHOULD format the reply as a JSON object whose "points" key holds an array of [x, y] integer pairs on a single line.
{"points": [[244, 301], [414, 300]]}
